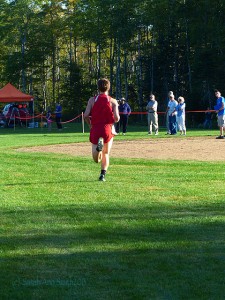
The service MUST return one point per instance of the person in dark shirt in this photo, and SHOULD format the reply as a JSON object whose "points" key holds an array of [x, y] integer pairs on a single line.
{"points": [[48, 118], [125, 111], [58, 116], [208, 119]]}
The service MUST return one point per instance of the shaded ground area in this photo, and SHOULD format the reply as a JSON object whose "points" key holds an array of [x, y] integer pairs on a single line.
{"points": [[183, 148]]}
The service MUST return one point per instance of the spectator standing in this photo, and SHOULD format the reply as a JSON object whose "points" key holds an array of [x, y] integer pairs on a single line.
{"points": [[117, 125], [58, 116], [104, 112], [48, 118], [219, 108], [125, 111], [167, 115], [152, 107], [208, 119], [171, 110], [181, 115]]}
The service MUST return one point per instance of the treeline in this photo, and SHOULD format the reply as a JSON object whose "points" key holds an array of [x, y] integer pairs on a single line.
{"points": [[56, 50]]}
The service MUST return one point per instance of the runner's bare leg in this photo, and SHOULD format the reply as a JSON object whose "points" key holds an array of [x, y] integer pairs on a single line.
{"points": [[97, 155], [105, 155]]}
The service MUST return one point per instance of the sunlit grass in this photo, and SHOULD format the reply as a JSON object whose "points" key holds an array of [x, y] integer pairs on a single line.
{"points": [[154, 230]]}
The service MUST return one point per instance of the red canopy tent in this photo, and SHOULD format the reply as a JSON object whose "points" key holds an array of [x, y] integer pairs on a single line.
{"points": [[10, 94]]}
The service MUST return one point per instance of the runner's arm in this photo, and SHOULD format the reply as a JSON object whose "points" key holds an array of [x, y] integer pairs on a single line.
{"points": [[87, 112], [115, 109]]}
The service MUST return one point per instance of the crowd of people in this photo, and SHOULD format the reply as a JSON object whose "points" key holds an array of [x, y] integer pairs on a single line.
{"points": [[58, 117], [175, 115]]}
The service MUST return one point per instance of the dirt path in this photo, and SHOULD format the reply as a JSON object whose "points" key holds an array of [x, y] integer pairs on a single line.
{"points": [[183, 148]]}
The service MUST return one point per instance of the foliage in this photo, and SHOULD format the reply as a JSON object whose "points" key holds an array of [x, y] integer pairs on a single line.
{"points": [[52, 48]]}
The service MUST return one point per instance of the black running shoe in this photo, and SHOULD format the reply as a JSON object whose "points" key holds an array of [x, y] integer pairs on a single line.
{"points": [[220, 137], [102, 177], [100, 144]]}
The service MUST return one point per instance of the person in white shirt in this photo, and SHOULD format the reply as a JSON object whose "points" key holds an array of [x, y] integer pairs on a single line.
{"points": [[167, 115], [171, 110], [181, 115], [152, 115]]}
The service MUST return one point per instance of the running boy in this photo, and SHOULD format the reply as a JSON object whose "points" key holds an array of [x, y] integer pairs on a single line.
{"points": [[101, 113]]}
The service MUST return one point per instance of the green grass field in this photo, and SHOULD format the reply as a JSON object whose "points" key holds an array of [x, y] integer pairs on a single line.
{"points": [[154, 230]]}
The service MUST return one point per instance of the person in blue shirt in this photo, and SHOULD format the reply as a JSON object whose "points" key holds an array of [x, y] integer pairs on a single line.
{"points": [[171, 111], [167, 114], [125, 111], [58, 116], [219, 108]]}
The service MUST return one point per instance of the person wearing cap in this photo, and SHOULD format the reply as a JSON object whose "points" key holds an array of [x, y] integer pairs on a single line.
{"points": [[171, 110], [125, 111], [152, 115]]}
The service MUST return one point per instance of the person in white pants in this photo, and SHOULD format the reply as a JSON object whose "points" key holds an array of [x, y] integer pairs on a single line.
{"points": [[152, 115], [181, 115]]}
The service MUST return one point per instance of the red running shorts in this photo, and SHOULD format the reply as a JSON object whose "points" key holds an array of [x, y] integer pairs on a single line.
{"points": [[101, 130]]}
